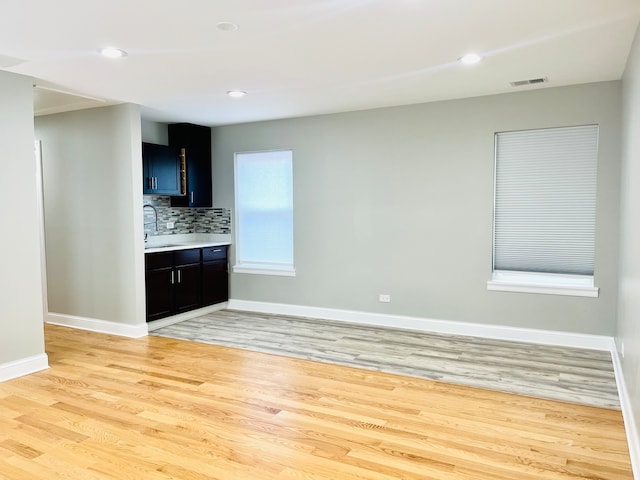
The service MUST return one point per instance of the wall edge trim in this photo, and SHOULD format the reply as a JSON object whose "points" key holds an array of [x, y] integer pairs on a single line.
{"points": [[181, 317], [518, 334], [633, 436], [23, 366], [99, 326]]}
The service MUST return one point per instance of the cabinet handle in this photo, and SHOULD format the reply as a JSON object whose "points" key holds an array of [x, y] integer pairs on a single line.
{"points": [[193, 197], [179, 276], [172, 278], [155, 183], [216, 250]]}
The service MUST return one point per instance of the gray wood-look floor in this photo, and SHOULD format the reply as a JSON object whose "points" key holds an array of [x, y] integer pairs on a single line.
{"points": [[559, 373]]}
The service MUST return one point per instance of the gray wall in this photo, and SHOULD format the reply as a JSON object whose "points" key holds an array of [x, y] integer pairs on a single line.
{"points": [[155, 132], [400, 201], [93, 213], [629, 302], [21, 314]]}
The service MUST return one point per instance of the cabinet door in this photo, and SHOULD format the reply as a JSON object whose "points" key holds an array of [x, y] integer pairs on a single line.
{"points": [[159, 291], [187, 288], [196, 140], [215, 282], [147, 176], [161, 170]]}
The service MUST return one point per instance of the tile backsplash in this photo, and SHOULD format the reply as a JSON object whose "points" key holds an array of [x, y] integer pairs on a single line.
{"points": [[186, 220]]}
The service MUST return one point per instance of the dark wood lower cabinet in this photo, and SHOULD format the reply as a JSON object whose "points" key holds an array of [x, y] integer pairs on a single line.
{"points": [[188, 278], [183, 280], [159, 293], [215, 278], [215, 282]]}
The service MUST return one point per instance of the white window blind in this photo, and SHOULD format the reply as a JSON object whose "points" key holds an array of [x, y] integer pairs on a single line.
{"points": [[264, 212], [545, 200]]}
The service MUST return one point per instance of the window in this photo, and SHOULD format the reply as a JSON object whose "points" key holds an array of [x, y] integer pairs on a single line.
{"points": [[545, 211], [264, 212]]}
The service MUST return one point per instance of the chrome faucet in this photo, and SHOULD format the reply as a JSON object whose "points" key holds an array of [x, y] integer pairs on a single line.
{"points": [[155, 212]]}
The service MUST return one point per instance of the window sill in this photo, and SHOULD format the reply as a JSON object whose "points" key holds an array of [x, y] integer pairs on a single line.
{"points": [[548, 284], [259, 270]]}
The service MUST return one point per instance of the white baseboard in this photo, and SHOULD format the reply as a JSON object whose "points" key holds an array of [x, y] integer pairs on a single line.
{"points": [[24, 366], [165, 322], [126, 330], [630, 425], [545, 337], [101, 326]]}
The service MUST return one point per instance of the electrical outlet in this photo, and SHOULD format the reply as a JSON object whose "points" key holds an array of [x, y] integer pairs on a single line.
{"points": [[171, 224], [384, 298]]}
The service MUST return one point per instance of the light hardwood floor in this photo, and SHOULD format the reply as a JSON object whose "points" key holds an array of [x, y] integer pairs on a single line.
{"points": [[160, 408]]}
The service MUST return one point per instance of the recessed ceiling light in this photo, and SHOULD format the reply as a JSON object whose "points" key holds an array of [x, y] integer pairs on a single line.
{"points": [[113, 52], [227, 26], [236, 93], [470, 59]]}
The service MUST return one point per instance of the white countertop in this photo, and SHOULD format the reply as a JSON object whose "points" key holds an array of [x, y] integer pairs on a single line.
{"points": [[166, 243]]}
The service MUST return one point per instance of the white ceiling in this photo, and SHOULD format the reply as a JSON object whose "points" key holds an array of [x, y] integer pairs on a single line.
{"points": [[305, 57]]}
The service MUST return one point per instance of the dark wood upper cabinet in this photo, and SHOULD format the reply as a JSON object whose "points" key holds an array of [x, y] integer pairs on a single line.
{"points": [[161, 165], [196, 141]]}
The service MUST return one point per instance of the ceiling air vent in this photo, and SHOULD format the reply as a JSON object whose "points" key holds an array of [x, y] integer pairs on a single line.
{"points": [[531, 81]]}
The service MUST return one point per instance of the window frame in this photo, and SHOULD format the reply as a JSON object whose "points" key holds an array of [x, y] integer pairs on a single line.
{"points": [[530, 281], [260, 268]]}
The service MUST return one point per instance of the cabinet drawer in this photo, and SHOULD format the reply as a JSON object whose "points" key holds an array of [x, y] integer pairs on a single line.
{"points": [[214, 253], [155, 261], [185, 257]]}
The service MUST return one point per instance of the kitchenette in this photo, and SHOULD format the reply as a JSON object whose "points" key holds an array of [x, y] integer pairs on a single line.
{"points": [[186, 240]]}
